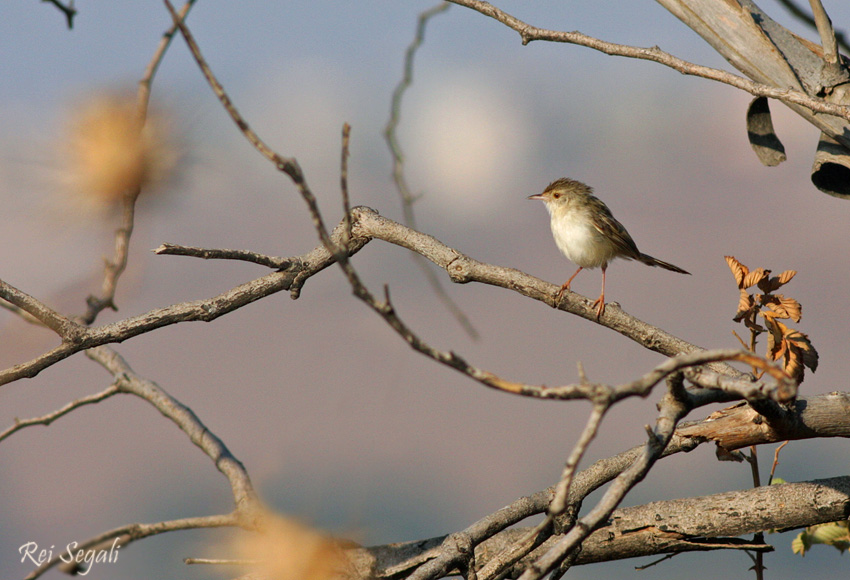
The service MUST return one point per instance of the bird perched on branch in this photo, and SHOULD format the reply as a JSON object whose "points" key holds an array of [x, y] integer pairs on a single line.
{"points": [[588, 234]]}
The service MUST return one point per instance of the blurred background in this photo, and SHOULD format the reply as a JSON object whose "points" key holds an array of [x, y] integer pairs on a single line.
{"points": [[337, 420]]}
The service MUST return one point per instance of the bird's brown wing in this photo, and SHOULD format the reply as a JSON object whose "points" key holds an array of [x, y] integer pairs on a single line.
{"points": [[609, 227]]}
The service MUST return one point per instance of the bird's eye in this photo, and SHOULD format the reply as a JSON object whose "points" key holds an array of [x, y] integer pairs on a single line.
{"points": [[556, 195]]}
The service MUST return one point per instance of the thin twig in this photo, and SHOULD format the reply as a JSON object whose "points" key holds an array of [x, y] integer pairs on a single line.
{"points": [[129, 382], [287, 165], [147, 80], [562, 490], [133, 532], [670, 412], [66, 328], [50, 417], [530, 33], [343, 182], [115, 267], [775, 462], [69, 11], [758, 557], [655, 562], [273, 262], [407, 198]]}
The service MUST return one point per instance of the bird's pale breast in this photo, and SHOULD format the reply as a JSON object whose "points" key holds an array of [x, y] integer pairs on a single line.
{"points": [[579, 241]]}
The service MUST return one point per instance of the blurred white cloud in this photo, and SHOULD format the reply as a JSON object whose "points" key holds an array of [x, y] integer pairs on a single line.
{"points": [[467, 136]]}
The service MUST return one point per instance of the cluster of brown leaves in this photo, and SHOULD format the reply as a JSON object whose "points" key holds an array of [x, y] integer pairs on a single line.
{"points": [[783, 343]]}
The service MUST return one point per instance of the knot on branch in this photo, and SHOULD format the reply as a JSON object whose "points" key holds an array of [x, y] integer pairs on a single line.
{"points": [[462, 544], [459, 269]]}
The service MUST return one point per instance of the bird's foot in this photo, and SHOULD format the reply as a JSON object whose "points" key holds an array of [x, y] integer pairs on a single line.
{"points": [[560, 295], [599, 304]]}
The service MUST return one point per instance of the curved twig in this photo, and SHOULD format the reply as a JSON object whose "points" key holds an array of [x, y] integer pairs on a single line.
{"points": [[529, 33], [115, 267]]}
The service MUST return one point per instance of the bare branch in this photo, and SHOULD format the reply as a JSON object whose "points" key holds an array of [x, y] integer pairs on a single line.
{"points": [[562, 489], [741, 426], [273, 262], [463, 269], [367, 225], [529, 33], [248, 509], [654, 528], [343, 183], [182, 416], [407, 197], [115, 267], [292, 279], [817, 417], [50, 417], [68, 10], [61, 325], [287, 165]]}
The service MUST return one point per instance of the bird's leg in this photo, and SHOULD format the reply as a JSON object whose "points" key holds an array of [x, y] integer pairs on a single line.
{"points": [[565, 287], [600, 302]]}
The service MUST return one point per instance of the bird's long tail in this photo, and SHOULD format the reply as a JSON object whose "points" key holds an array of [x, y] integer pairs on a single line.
{"points": [[650, 261]]}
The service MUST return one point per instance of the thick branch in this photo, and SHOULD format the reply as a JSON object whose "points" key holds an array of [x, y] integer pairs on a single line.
{"points": [[463, 269], [701, 523], [741, 426]]}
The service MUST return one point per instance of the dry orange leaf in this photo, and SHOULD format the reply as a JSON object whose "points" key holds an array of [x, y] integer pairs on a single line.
{"points": [[738, 269], [785, 307], [775, 344], [745, 305], [786, 276], [777, 282], [755, 277], [801, 342]]}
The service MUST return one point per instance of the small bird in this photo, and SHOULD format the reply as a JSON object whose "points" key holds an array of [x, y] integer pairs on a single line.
{"points": [[588, 234]]}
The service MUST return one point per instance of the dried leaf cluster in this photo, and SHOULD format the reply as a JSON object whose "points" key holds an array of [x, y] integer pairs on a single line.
{"points": [[784, 343]]}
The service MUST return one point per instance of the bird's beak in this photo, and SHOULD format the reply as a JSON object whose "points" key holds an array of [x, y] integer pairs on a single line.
{"points": [[537, 196]]}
